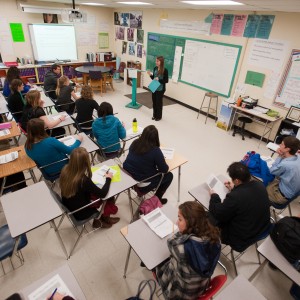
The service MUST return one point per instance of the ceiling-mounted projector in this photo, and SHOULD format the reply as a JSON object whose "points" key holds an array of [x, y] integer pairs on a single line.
{"points": [[75, 14]]}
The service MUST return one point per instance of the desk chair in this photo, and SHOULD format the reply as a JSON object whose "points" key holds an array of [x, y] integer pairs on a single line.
{"points": [[281, 207], [241, 129], [264, 234], [109, 78], [96, 81], [74, 222], [74, 76], [7, 244], [88, 64], [214, 110]]}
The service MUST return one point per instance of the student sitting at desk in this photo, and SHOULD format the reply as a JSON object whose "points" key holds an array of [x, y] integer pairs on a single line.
{"points": [[194, 250], [108, 130], [244, 213], [50, 81], [13, 73], [145, 159], [45, 150], [34, 109], [287, 169], [65, 93], [16, 101], [85, 107], [77, 190]]}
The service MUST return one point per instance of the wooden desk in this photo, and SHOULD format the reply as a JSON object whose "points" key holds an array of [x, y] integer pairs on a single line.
{"points": [[240, 288], [176, 162], [22, 163], [272, 254], [261, 119], [37, 207], [66, 275], [148, 246], [14, 133], [201, 192]]}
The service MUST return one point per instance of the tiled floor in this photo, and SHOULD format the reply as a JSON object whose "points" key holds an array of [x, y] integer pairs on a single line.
{"points": [[98, 261]]}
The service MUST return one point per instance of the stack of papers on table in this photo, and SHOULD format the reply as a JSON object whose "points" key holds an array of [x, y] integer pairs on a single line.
{"points": [[160, 223], [68, 140], [99, 178], [8, 157], [167, 152], [46, 290], [4, 132]]}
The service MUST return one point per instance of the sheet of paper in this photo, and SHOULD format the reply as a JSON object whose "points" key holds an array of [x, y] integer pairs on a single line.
{"points": [[296, 124], [160, 223], [68, 140], [46, 290], [98, 176], [215, 184], [4, 132], [130, 133], [268, 159], [56, 117], [272, 146], [8, 157], [167, 152], [132, 73]]}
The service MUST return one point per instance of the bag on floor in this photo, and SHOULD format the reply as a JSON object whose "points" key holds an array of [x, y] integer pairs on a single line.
{"points": [[286, 237], [150, 204], [151, 284]]}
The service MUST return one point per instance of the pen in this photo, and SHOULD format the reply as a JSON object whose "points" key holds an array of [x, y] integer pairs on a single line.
{"points": [[51, 297], [106, 172]]}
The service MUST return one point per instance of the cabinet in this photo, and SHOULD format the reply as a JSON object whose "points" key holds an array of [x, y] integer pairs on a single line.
{"points": [[134, 65], [290, 129]]}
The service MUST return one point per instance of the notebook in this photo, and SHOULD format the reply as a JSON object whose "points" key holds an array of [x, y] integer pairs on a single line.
{"points": [[217, 185]]}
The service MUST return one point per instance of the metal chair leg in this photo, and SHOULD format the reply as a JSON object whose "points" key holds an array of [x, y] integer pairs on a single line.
{"points": [[200, 107], [76, 241], [233, 261], [127, 261], [257, 253]]}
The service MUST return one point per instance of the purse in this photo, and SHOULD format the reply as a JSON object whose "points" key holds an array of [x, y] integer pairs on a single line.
{"points": [[150, 204], [152, 287]]}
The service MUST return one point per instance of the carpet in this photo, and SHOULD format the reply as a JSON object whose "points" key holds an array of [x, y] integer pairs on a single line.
{"points": [[146, 99]]}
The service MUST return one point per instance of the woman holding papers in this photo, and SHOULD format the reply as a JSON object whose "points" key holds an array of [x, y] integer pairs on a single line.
{"points": [[77, 190], [45, 150], [194, 253], [145, 159], [160, 73], [108, 130], [34, 109]]}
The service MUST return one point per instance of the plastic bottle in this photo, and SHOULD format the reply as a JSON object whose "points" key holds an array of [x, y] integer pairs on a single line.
{"points": [[239, 101], [134, 126]]}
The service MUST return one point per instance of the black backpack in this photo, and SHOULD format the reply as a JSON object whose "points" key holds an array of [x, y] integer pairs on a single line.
{"points": [[286, 237]]}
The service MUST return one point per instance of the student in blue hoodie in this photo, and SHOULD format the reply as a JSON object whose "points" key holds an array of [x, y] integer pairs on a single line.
{"points": [[194, 253], [108, 130]]}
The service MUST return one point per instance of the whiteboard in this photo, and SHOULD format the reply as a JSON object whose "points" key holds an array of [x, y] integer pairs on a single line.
{"points": [[52, 42], [210, 65]]}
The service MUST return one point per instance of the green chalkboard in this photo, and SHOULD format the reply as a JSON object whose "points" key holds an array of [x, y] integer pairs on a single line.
{"points": [[204, 64]]}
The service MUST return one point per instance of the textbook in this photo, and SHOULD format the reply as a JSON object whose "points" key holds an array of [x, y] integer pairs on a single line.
{"points": [[159, 223], [217, 186], [153, 86]]}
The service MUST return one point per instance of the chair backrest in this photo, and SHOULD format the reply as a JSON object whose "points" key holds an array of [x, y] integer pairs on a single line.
{"points": [[22, 129], [122, 67], [95, 75], [54, 176], [88, 64], [215, 285]]}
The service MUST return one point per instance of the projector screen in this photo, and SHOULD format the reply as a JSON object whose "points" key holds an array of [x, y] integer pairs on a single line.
{"points": [[52, 42]]}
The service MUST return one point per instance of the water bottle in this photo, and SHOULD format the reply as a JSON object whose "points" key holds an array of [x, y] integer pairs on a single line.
{"points": [[239, 101], [134, 126]]}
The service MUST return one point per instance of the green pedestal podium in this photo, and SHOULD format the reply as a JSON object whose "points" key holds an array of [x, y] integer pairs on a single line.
{"points": [[133, 103]]}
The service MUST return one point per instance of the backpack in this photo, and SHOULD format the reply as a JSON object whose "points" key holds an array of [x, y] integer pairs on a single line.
{"points": [[151, 285], [286, 237], [149, 204]]}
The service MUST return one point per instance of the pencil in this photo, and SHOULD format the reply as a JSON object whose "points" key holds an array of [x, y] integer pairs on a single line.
{"points": [[51, 297]]}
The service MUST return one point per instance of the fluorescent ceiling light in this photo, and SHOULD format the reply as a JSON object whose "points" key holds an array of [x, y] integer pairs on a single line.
{"points": [[92, 3], [135, 3], [211, 2]]}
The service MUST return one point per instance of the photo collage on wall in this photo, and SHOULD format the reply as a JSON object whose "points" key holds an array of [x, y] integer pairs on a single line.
{"points": [[128, 28]]}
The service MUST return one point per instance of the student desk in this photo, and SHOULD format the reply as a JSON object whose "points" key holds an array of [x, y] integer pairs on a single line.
{"points": [[240, 288], [14, 133], [176, 162], [3, 108], [22, 163], [272, 254], [85, 70], [261, 119], [67, 122], [148, 246], [48, 104], [201, 192], [29, 208], [66, 275]]}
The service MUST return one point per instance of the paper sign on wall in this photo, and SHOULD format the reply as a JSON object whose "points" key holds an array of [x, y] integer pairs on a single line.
{"points": [[17, 32]]}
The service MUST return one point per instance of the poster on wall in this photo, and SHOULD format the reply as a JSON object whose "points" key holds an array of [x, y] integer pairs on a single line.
{"points": [[120, 33], [103, 40], [124, 19], [130, 34], [131, 49], [139, 51], [117, 18], [136, 19], [216, 24], [140, 36], [50, 18], [124, 47]]}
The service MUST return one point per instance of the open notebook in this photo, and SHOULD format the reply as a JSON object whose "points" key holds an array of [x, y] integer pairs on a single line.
{"points": [[217, 185]]}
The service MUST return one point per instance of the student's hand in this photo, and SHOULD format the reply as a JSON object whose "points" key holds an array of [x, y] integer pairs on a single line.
{"points": [[149, 73], [57, 296], [211, 192], [79, 137], [229, 185], [62, 117], [109, 175]]}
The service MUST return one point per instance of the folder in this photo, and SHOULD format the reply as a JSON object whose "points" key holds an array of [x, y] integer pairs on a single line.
{"points": [[153, 86]]}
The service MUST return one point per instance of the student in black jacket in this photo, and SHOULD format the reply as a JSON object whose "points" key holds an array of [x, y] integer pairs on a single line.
{"points": [[16, 101], [244, 213], [50, 81], [160, 73]]}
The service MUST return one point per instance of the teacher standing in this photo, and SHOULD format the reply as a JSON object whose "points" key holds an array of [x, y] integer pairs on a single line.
{"points": [[160, 73]]}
